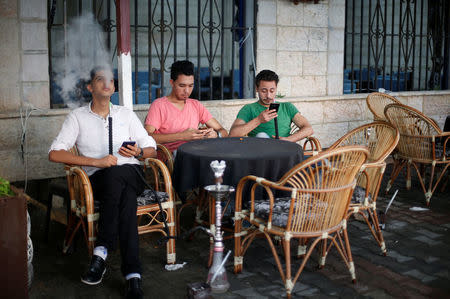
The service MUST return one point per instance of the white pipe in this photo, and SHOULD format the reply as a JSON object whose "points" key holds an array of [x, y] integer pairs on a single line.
{"points": [[125, 86]]}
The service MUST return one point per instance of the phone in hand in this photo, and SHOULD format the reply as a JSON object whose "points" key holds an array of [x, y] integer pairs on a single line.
{"points": [[125, 143], [274, 106]]}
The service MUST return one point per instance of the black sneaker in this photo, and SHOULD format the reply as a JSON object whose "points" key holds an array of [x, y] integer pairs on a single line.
{"points": [[134, 290], [95, 272]]}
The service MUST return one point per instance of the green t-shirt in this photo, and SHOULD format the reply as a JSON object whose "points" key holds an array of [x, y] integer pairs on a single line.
{"points": [[286, 113]]}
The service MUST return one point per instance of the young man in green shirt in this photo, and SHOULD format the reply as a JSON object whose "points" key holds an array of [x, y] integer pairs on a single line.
{"points": [[256, 120]]}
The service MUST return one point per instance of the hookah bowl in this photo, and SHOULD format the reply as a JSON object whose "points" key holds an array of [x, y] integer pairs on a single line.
{"points": [[217, 275]]}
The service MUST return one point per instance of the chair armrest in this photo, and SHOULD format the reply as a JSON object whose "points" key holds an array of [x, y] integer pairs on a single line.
{"points": [[79, 184], [315, 145], [166, 156], [161, 176]]}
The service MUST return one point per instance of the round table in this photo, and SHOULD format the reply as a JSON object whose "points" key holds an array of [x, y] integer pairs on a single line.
{"points": [[268, 158]]}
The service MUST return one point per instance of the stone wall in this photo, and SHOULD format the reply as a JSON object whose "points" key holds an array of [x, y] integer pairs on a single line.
{"points": [[304, 44], [23, 54], [330, 116]]}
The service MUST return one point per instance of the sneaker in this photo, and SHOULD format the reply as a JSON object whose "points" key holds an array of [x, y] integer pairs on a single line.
{"points": [[95, 272], [134, 290]]}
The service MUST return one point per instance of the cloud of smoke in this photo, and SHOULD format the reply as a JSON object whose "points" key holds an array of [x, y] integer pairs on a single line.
{"points": [[83, 49]]}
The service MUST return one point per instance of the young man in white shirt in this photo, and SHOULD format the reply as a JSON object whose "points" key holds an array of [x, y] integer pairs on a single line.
{"points": [[114, 177]]}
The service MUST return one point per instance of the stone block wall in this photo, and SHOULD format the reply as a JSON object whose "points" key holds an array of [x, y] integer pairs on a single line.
{"points": [[304, 44], [23, 54]]}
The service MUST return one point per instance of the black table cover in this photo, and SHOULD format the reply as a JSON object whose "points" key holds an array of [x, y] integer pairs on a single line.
{"points": [[268, 158]]}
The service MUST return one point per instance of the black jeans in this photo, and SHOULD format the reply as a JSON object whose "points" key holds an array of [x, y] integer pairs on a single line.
{"points": [[116, 189]]}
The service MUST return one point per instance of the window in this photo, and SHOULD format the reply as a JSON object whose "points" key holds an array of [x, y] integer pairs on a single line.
{"points": [[396, 45], [216, 35]]}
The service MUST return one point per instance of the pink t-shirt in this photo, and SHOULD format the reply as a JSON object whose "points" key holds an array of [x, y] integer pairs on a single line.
{"points": [[167, 119]]}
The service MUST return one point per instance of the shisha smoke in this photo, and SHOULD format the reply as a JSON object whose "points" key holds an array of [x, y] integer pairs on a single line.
{"points": [[84, 48]]}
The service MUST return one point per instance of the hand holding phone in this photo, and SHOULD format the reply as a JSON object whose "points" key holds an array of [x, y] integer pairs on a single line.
{"points": [[126, 143], [274, 106]]}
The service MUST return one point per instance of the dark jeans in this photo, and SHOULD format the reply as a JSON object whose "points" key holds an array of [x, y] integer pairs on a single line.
{"points": [[116, 189]]}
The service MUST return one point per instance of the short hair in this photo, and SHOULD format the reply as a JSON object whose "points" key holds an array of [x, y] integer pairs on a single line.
{"points": [[97, 69], [181, 67], [266, 75]]}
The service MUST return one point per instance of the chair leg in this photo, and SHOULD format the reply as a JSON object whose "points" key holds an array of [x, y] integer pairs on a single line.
{"points": [[376, 230], [324, 251], [398, 166], [238, 256], [48, 216], [171, 250], [346, 254], [301, 249], [408, 175], [71, 231], [287, 256]]}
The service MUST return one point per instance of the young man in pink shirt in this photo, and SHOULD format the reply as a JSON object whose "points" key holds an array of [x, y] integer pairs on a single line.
{"points": [[174, 119]]}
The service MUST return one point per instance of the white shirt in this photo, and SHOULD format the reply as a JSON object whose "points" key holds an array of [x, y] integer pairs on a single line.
{"points": [[89, 132]]}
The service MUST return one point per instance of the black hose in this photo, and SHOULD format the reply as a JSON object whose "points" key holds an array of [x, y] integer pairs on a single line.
{"points": [[163, 239], [110, 135]]}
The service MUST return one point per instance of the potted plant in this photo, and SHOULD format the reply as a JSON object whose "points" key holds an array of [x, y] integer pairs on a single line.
{"points": [[16, 249]]}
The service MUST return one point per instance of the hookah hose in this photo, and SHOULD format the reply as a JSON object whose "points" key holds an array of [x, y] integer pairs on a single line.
{"points": [[110, 135], [163, 239]]}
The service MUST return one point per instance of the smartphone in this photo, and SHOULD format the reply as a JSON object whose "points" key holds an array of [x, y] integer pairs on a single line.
{"points": [[125, 143], [274, 106]]}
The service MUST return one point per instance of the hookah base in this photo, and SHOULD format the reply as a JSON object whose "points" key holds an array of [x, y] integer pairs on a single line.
{"points": [[198, 290]]}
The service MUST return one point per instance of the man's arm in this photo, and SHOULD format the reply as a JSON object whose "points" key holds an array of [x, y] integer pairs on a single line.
{"points": [[63, 156], [241, 128], [134, 150], [304, 126], [186, 135], [214, 124]]}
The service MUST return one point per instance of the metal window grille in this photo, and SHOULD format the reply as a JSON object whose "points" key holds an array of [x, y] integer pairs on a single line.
{"points": [[396, 45], [216, 35]]}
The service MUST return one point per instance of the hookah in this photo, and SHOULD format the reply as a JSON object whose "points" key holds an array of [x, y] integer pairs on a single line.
{"points": [[217, 281], [217, 275]]}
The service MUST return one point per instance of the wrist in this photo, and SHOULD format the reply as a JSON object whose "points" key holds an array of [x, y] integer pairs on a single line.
{"points": [[141, 153]]}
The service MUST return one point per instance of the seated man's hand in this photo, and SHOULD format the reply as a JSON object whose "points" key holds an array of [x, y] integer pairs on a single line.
{"points": [[106, 161], [193, 134], [129, 151], [267, 115], [210, 133]]}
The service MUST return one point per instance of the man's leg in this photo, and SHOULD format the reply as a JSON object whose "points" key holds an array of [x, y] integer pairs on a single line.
{"points": [[128, 232], [109, 186]]}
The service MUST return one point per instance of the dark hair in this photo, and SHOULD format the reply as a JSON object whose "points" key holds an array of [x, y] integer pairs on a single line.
{"points": [[181, 67], [97, 69], [266, 75]]}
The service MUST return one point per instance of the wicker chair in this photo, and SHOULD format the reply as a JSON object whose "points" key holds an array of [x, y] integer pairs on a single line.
{"points": [[318, 196], [421, 143], [84, 209], [381, 138], [377, 101]]}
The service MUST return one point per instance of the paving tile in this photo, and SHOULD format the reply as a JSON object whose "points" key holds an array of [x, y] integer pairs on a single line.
{"points": [[427, 240], [308, 292], [398, 257], [419, 275]]}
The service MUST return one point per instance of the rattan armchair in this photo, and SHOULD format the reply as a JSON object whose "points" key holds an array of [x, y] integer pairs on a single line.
{"points": [[318, 194], [381, 138], [421, 143], [84, 209], [377, 101]]}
